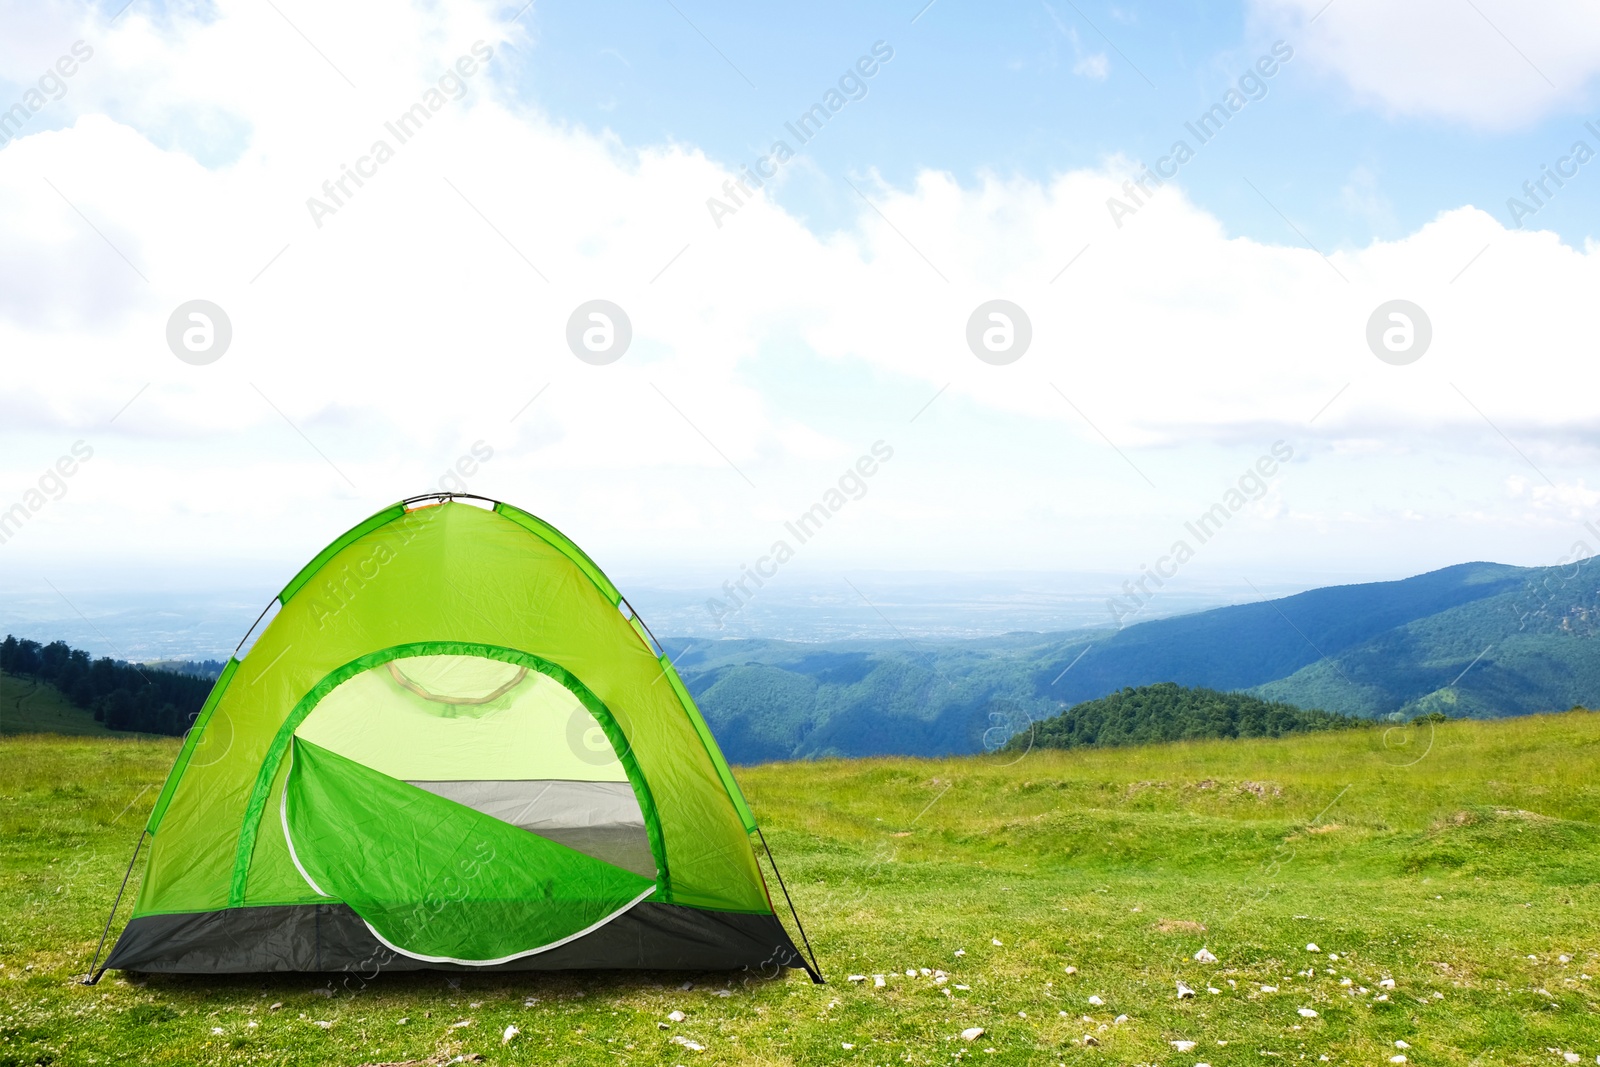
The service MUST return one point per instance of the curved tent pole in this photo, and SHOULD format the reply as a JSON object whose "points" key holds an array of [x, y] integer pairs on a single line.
{"points": [[92, 976]]}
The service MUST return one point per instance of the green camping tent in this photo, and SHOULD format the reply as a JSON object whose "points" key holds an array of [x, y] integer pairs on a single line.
{"points": [[455, 745]]}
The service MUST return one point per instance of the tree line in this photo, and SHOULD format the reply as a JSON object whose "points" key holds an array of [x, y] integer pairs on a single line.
{"points": [[124, 696], [1148, 714]]}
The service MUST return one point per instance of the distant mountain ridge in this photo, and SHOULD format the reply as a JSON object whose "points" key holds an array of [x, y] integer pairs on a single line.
{"points": [[1478, 639]]}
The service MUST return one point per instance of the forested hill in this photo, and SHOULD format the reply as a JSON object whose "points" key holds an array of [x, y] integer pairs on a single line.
{"points": [[122, 695], [1166, 711]]}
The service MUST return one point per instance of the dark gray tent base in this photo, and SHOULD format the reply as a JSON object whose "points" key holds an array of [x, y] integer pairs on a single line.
{"points": [[331, 937]]}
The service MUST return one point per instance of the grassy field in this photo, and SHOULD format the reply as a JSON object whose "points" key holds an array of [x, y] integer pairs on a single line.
{"points": [[1459, 862]]}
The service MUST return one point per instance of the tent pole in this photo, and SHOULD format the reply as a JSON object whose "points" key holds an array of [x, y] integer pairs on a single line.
{"points": [[92, 976], [814, 970]]}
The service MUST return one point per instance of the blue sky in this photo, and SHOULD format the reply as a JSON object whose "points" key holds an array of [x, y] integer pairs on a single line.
{"points": [[1018, 88]]}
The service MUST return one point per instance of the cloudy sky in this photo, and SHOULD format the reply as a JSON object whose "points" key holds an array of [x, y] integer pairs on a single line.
{"points": [[1170, 314]]}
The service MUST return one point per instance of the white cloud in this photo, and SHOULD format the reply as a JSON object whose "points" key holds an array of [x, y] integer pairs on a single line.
{"points": [[1489, 63]]}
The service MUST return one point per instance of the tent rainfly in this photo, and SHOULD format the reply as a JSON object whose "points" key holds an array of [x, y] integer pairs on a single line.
{"points": [[454, 746]]}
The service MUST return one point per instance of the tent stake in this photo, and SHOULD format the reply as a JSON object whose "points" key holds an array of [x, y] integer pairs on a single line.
{"points": [[92, 976], [814, 969]]}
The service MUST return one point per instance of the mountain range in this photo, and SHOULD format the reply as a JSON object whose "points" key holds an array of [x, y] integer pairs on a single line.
{"points": [[1476, 639]]}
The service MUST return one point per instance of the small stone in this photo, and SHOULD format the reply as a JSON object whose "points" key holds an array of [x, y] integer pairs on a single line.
{"points": [[1182, 1046], [1401, 1045], [878, 981], [325, 1024], [1312, 947], [847, 1046], [459, 1025], [1571, 1057], [1022, 1015], [276, 1006], [1184, 992], [1213, 990], [1269, 989], [1333, 956], [404, 1020], [1564, 958], [1095, 1000], [692, 1046], [911, 972], [1090, 1039], [961, 952], [1397, 1059], [856, 978], [964, 988], [1205, 956], [1069, 969], [676, 1016], [1346, 982], [1119, 1020], [510, 1032], [1308, 1013], [661, 1026], [996, 942], [1387, 983], [924, 972], [972, 1033], [216, 1029]]}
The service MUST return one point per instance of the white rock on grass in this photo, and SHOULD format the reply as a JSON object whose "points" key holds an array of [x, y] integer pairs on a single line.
{"points": [[1069, 969], [1401, 1045], [972, 1033], [961, 952], [996, 942], [1312, 947], [1182, 1046], [511, 1032], [1205, 956], [1308, 1013], [1397, 1059], [692, 1046], [1184, 992], [1119, 1020], [878, 981], [1213, 990], [1387, 983], [1096, 1001], [1090, 1039], [847, 1046], [676, 1016], [856, 978], [1571, 1057], [1269, 989]]}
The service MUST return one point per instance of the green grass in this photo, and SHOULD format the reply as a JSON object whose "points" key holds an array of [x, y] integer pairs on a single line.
{"points": [[1441, 857], [28, 707]]}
